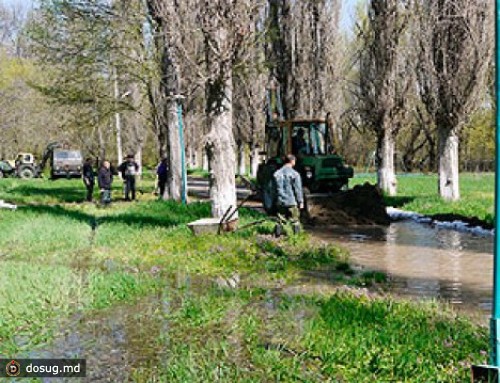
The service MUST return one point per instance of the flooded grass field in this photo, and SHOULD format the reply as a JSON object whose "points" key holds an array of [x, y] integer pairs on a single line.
{"points": [[134, 293]]}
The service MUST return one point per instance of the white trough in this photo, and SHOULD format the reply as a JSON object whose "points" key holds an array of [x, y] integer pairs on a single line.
{"points": [[211, 226], [5, 205]]}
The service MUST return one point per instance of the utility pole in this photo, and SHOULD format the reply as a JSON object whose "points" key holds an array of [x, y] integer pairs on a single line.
{"points": [[494, 324], [118, 120], [180, 120]]}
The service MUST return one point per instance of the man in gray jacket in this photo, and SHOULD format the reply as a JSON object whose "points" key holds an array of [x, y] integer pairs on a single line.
{"points": [[289, 196]]}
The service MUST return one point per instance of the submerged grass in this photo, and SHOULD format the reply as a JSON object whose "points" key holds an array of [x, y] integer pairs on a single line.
{"points": [[250, 336], [419, 193], [57, 260]]}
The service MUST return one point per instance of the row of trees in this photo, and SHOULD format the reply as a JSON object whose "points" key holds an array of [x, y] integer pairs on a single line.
{"points": [[111, 76], [432, 59]]}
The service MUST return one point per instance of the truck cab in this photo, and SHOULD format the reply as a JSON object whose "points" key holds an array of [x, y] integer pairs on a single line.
{"points": [[66, 163]]}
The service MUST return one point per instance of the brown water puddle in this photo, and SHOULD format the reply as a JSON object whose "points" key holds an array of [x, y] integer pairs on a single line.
{"points": [[425, 262], [121, 343], [129, 342]]}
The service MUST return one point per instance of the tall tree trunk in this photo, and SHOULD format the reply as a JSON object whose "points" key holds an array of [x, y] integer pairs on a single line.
{"points": [[139, 131], [118, 120], [220, 139], [448, 164], [205, 165], [174, 179], [138, 158], [168, 134], [254, 160], [196, 159], [242, 167], [170, 89], [281, 54], [102, 145], [386, 176]]}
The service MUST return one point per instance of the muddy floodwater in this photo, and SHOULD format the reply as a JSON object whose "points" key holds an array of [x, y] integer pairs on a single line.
{"points": [[423, 261]]}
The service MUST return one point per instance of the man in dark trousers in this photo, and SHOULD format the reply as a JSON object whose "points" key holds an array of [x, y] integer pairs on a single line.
{"points": [[105, 180], [129, 169], [289, 196], [88, 178], [162, 173]]}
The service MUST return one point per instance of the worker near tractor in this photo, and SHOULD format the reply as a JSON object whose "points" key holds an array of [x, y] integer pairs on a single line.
{"points": [[88, 178], [129, 169], [105, 180], [289, 195]]}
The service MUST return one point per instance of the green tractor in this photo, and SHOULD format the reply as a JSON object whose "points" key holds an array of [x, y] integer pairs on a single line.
{"points": [[321, 169]]}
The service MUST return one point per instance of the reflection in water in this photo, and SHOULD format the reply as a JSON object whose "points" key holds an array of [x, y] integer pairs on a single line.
{"points": [[425, 262]]}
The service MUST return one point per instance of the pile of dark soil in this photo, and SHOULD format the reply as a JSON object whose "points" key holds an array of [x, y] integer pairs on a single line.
{"points": [[362, 205]]}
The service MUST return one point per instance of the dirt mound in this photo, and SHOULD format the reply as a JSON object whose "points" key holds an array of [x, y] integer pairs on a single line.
{"points": [[362, 205]]}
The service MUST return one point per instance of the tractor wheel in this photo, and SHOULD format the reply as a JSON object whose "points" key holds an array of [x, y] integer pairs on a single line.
{"points": [[307, 201], [27, 172]]}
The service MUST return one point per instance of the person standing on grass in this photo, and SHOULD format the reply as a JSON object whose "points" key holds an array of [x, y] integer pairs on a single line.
{"points": [[162, 174], [290, 198], [129, 169], [88, 178], [105, 180]]}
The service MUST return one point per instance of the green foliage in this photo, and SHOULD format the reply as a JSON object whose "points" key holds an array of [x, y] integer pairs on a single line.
{"points": [[478, 140]]}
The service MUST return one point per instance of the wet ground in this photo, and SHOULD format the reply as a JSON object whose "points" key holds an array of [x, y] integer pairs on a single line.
{"points": [[425, 262], [124, 343], [127, 343], [130, 342]]}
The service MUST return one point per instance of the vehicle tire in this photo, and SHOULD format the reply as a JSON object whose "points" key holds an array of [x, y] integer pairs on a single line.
{"points": [[315, 187], [27, 172], [307, 200]]}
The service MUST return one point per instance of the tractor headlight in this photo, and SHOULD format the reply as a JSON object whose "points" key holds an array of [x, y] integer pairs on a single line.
{"points": [[308, 172]]}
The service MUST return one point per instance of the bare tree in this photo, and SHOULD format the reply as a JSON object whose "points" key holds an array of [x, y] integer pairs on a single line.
{"points": [[163, 12], [383, 82], [455, 47], [304, 56], [225, 26]]}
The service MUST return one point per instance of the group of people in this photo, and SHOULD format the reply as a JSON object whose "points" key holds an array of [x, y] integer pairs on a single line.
{"points": [[287, 181], [128, 169]]}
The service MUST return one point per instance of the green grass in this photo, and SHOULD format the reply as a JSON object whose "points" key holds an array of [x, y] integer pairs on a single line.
{"points": [[251, 336], [59, 258], [198, 173], [42, 191], [419, 193]]}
